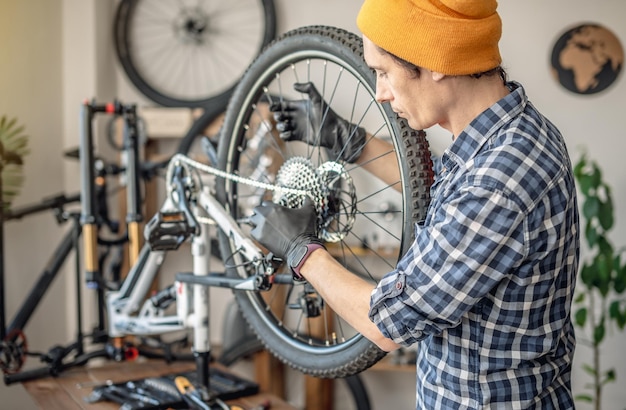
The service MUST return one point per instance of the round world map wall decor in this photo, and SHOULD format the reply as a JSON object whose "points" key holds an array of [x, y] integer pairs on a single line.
{"points": [[587, 58]]}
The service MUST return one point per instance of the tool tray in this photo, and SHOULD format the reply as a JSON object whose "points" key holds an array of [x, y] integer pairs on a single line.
{"points": [[155, 393]]}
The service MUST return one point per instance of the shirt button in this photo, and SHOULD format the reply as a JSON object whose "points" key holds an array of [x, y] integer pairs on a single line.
{"points": [[399, 285]]}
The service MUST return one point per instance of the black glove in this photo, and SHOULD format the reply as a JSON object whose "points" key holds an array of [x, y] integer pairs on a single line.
{"points": [[284, 231], [314, 122]]}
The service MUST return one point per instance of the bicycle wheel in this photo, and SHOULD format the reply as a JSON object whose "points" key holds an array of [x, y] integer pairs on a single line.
{"points": [[367, 224], [188, 53], [191, 144]]}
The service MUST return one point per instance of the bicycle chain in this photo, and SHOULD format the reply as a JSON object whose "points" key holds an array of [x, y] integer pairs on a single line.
{"points": [[180, 158], [327, 210]]}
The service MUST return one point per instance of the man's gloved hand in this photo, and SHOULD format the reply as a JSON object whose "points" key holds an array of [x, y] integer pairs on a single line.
{"points": [[314, 122], [284, 231]]}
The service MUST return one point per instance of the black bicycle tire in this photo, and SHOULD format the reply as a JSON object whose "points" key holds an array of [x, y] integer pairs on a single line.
{"points": [[413, 156], [122, 21], [251, 345], [198, 128]]}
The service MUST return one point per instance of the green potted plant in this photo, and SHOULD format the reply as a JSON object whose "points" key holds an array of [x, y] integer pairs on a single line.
{"points": [[599, 304], [13, 148]]}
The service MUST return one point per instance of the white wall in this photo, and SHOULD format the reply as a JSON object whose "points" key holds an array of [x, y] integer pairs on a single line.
{"points": [[31, 89], [56, 53]]}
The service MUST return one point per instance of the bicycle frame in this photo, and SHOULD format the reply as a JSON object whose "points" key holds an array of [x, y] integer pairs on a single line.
{"points": [[68, 243], [122, 305], [129, 310], [126, 312], [93, 198]]}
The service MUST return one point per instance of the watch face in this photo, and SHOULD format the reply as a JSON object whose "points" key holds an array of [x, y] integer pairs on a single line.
{"points": [[297, 257]]}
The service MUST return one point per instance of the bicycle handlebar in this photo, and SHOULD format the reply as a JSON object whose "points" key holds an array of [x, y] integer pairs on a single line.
{"points": [[148, 170], [54, 202]]}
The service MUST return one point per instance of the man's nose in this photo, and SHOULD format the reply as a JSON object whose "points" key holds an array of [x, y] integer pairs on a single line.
{"points": [[382, 93]]}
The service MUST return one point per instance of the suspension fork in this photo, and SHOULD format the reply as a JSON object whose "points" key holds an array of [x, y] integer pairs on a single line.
{"points": [[89, 204]]}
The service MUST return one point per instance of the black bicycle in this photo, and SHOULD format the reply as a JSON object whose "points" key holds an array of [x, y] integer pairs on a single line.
{"points": [[106, 248]]}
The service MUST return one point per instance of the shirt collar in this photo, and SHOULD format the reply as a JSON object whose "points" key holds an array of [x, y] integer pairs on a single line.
{"points": [[471, 140]]}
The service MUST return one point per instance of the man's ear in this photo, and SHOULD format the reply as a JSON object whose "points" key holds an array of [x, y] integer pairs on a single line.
{"points": [[437, 76]]}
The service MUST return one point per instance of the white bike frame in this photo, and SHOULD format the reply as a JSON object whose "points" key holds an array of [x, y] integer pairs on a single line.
{"points": [[129, 310]]}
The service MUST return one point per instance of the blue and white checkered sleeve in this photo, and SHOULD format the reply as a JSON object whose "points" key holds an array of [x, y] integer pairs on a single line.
{"points": [[474, 238]]}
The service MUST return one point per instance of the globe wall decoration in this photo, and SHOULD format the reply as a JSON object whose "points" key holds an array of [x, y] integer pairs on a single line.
{"points": [[587, 59]]}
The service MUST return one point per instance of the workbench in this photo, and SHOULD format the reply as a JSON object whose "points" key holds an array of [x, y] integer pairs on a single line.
{"points": [[69, 390]]}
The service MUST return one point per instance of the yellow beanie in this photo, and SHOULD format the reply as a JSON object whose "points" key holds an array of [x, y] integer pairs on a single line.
{"points": [[453, 37]]}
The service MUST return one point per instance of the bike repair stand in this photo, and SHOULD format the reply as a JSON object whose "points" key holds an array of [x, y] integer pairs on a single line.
{"points": [[201, 397], [201, 252], [167, 232]]}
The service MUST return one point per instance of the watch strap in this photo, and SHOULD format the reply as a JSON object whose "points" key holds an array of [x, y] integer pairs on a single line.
{"points": [[296, 269]]}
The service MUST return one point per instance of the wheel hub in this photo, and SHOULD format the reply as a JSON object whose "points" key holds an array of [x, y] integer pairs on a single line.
{"points": [[191, 25]]}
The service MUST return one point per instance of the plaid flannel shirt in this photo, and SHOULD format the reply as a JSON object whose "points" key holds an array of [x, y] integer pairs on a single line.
{"points": [[486, 288]]}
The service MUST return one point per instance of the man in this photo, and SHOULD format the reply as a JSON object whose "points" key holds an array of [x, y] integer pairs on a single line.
{"points": [[486, 288]]}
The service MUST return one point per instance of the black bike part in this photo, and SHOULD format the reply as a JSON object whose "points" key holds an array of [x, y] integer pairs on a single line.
{"points": [[367, 223], [181, 55], [53, 369], [56, 202], [167, 230], [191, 144], [49, 273]]}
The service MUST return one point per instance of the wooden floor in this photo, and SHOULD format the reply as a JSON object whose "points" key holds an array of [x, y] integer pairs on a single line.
{"points": [[68, 391]]}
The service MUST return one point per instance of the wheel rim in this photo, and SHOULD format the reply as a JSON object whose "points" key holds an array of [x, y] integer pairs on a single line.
{"points": [[190, 55], [292, 315], [318, 157]]}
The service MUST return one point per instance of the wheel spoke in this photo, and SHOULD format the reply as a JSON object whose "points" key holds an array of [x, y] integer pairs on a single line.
{"points": [[190, 54]]}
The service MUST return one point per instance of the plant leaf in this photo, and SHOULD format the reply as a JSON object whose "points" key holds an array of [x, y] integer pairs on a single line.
{"points": [[586, 184], [591, 234], [591, 207], [588, 274], [605, 215], [580, 298], [610, 376], [584, 397], [596, 175], [580, 165], [598, 333], [589, 369], [581, 317], [13, 148], [605, 246], [619, 283], [614, 312]]}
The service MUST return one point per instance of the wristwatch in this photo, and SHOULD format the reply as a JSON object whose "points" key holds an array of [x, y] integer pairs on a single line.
{"points": [[299, 256]]}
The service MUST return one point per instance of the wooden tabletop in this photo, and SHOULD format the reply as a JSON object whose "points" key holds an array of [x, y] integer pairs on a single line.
{"points": [[69, 390]]}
